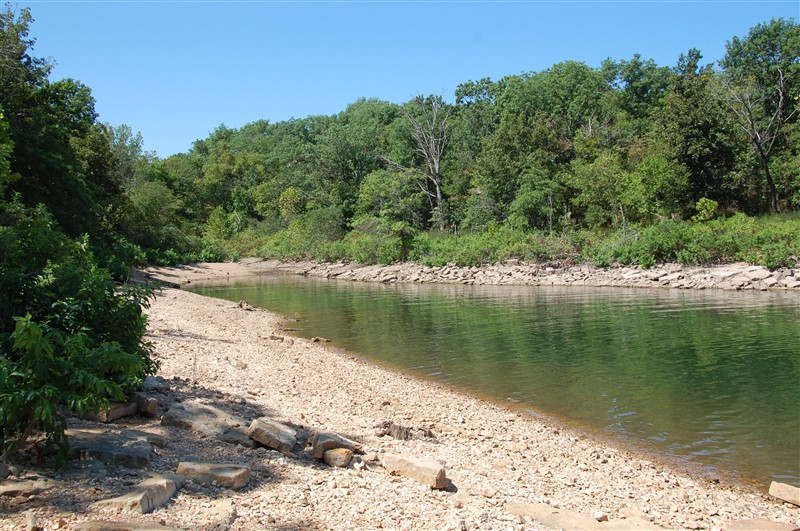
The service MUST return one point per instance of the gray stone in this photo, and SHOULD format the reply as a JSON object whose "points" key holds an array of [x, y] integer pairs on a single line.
{"points": [[128, 448], [339, 457], [105, 525], [322, 441], [272, 434], [155, 383], [148, 495], [209, 420], [230, 476], [424, 471], [787, 493], [4, 472]]}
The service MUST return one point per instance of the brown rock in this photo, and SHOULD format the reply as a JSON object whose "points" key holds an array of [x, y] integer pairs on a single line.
{"points": [[340, 457]]}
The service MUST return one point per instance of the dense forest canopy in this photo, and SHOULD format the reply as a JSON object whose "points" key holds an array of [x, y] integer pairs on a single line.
{"points": [[628, 144]]}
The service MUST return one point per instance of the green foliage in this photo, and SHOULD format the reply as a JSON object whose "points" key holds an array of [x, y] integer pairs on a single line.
{"points": [[69, 336]]}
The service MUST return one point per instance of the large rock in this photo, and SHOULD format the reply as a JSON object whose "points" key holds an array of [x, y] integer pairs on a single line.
{"points": [[128, 448], [322, 441], [272, 434], [787, 493], [147, 495], [424, 471], [233, 477], [209, 420]]}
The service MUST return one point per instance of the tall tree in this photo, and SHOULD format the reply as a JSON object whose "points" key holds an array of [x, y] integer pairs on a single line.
{"points": [[761, 84], [429, 122]]}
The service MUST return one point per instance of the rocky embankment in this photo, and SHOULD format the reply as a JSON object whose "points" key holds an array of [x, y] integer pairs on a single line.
{"points": [[732, 277], [727, 277], [245, 427]]}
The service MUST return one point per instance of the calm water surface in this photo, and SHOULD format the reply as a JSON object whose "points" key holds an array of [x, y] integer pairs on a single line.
{"points": [[709, 378]]}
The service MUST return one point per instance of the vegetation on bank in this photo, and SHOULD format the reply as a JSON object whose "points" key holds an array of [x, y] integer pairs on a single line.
{"points": [[629, 162]]}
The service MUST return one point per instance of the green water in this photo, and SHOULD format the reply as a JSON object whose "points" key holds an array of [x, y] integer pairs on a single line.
{"points": [[711, 379]]}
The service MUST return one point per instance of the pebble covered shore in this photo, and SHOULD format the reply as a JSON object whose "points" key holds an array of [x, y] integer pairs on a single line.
{"points": [[505, 469]]}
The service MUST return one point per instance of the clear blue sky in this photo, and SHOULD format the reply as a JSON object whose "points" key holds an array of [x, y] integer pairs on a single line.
{"points": [[174, 71]]}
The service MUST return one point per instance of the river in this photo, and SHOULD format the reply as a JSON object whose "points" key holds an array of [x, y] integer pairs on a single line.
{"points": [[709, 379]]}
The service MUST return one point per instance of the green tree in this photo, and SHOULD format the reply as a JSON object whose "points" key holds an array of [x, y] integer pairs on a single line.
{"points": [[761, 86]]}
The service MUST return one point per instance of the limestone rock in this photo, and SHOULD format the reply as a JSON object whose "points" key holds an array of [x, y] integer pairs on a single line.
{"points": [[339, 457], [147, 495], [758, 524], [223, 514], [114, 412], [209, 420], [230, 476], [145, 405], [272, 434], [787, 493], [322, 441], [129, 448], [424, 471], [554, 517], [25, 487]]}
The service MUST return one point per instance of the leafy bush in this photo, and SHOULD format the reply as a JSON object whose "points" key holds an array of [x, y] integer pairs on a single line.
{"points": [[68, 335]]}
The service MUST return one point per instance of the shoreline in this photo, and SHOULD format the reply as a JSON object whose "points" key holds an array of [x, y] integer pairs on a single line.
{"points": [[216, 273], [507, 469]]}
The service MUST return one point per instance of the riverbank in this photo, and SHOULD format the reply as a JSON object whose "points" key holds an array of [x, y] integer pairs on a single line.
{"points": [[732, 277], [505, 468]]}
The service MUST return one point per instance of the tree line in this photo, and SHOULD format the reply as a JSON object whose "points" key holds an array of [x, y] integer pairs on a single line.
{"points": [[624, 146]]}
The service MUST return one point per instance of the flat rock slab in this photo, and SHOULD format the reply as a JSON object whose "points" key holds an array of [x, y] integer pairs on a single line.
{"points": [[128, 448], [25, 487], [272, 434], [148, 495], [322, 441], [230, 476], [558, 518], [105, 525], [424, 471], [758, 524], [787, 493], [209, 420], [83, 469]]}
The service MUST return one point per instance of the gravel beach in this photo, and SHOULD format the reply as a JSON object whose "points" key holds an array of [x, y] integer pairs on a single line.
{"points": [[505, 469]]}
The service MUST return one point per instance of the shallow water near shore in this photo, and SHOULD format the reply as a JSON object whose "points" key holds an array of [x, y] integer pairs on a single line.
{"points": [[712, 378]]}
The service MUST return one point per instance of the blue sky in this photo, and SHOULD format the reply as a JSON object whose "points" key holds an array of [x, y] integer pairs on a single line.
{"points": [[174, 71]]}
